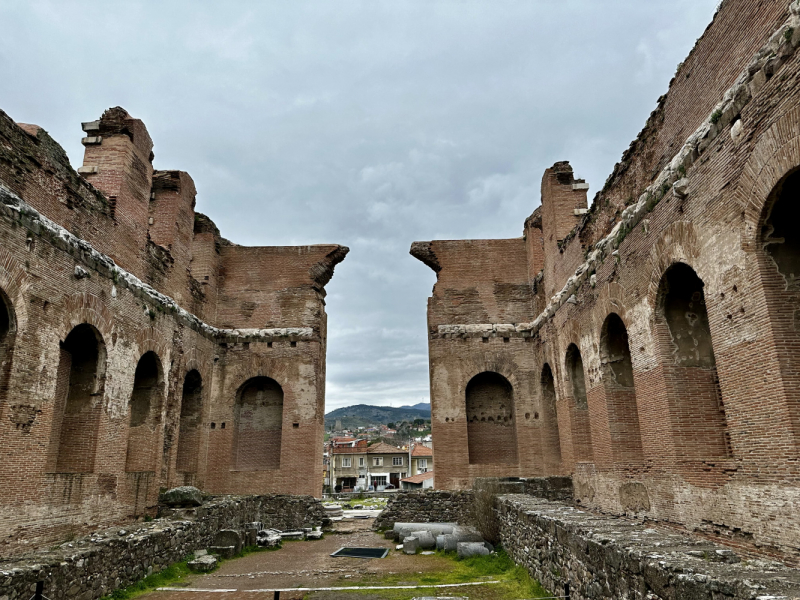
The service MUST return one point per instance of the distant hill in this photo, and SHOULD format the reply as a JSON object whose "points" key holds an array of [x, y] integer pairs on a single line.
{"points": [[364, 415], [420, 406]]}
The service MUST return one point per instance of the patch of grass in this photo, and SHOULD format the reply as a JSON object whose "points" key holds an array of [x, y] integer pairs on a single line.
{"points": [[515, 582], [169, 576], [716, 116]]}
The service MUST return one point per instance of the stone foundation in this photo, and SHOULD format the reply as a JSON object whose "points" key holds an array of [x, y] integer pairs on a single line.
{"points": [[94, 566], [607, 557], [425, 507]]}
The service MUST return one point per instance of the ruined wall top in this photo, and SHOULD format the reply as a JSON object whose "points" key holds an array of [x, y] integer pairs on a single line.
{"points": [[144, 221], [718, 75]]}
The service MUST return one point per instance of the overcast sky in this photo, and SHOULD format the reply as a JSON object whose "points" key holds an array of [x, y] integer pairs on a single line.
{"points": [[370, 124]]}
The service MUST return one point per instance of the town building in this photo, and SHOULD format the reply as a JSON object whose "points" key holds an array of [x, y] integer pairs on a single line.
{"points": [[369, 468], [421, 481], [421, 459]]}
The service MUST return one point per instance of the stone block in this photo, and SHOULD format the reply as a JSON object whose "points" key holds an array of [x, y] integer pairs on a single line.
{"points": [[425, 539], [228, 538], [250, 536], [203, 563], [223, 551], [467, 549], [185, 495], [410, 545]]}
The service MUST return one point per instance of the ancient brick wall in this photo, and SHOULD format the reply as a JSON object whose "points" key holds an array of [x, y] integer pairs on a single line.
{"points": [[667, 317], [100, 355]]}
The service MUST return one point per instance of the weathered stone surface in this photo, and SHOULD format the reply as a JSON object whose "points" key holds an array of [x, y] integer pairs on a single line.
{"points": [[428, 506], [223, 551], [203, 564], [185, 495], [467, 549], [425, 539], [116, 558], [410, 545], [604, 557]]}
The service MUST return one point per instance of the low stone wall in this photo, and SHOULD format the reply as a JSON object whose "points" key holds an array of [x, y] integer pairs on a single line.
{"points": [[606, 557], [94, 566], [550, 488], [431, 506]]}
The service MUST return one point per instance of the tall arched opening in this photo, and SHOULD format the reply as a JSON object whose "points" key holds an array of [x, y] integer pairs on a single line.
{"points": [[78, 403], [620, 394], [145, 414], [491, 428], [191, 422], [259, 425], [7, 334], [698, 414], [551, 441], [779, 260], [576, 385]]}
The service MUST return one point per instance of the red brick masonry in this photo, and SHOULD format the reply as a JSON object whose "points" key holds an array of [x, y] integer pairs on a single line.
{"points": [[650, 346], [140, 349]]}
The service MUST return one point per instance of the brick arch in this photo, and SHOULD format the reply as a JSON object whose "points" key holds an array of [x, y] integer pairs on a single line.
{"points": [[612, 298], [150, 339], [775, 155], [548, 409], [13, 291], [678, 243], [494, 364], [84, 307], [198, 360], [687, 370], [14, 285], [259, 415], [257, 366]]}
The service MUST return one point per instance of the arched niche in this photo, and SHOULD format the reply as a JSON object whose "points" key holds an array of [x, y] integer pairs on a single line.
{"points": [[576, 386], [698, 414], [620, 393], [551, 441], [144, 426], [491, 427], [79, 401], [191, 421], [259, 425]]}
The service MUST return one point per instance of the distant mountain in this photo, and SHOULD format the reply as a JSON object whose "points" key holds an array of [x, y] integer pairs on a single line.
{"points": [[364, 415], [420, 406]]}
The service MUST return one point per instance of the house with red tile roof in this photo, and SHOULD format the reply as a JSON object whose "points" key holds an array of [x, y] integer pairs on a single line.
{"points": [[368, 468], [418, 482]]}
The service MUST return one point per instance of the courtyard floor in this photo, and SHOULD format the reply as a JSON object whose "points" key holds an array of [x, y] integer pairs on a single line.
{"points": [[309, 565]]}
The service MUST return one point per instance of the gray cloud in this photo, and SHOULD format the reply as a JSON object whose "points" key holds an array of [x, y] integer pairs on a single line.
{"points": [[371, 124]]}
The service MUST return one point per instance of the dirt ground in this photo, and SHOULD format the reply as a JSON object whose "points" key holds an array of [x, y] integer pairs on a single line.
{"points": [[306, 565]]}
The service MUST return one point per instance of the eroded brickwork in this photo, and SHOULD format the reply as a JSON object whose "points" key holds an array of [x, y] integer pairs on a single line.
{"points": [[662, 323], [132, 334]]}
